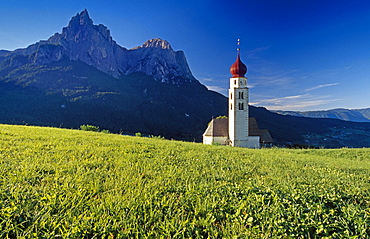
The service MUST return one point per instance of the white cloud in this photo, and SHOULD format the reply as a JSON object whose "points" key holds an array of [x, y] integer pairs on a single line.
{"points": [[215, 83], [294, 102], [274, 80], [217, 88], [321, 86], [206, 79], [252, 53], [265, 75]]}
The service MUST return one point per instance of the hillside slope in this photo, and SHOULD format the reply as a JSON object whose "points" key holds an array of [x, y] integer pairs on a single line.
{"points": [[78, 184], [70, 93]]}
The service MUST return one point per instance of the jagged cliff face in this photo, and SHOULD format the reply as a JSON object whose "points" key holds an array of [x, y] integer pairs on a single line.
{"points": [[93, 44], [156, 57], [82, 76]]}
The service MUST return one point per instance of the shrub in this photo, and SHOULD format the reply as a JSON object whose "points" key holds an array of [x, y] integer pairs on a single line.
{"points": [[138, 134], [87, 127], [156, 137]]}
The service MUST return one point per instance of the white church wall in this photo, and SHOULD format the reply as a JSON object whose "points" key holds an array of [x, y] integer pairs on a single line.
{"points": [[253, 142], [215, 140], [221, 140], [207, 139]]}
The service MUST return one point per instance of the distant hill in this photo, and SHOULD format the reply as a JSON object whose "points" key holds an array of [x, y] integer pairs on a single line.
{"points": [[3, 52], [356, 115], [82, 76], [318, 132]]}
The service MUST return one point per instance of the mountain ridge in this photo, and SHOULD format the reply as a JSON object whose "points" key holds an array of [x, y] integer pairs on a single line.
{"points": [[93, 44], [81, 76], [355, 115]]}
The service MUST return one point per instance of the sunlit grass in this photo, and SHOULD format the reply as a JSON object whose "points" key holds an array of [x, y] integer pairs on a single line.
{"points": [[76, 184]]}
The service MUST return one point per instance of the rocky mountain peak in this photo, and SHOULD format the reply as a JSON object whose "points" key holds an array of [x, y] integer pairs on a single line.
{"points": [[157, 43], [92, 44], [80, 23], [82, 18]]}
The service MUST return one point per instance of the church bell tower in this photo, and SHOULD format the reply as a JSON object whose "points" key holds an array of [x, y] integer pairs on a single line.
{"points": [[238, 104]]}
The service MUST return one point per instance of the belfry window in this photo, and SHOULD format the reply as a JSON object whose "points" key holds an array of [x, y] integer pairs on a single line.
{"points": [[241, 95], [231, 96], [241, 106], [231, 106]]}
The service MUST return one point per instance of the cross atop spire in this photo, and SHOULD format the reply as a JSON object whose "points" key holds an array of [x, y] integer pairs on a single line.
{"points": [[238, 44], [238, 69]]}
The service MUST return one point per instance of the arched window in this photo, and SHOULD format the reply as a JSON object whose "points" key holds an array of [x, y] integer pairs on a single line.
{"points": [[241, 106], [231, 96], [241, 95], [231, 106]]}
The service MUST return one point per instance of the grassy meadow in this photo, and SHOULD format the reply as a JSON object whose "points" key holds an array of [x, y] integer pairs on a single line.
{"points": [[58, 183]]}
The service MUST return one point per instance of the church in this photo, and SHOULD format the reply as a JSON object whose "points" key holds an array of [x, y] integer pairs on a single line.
{"points": [[237, 129]]}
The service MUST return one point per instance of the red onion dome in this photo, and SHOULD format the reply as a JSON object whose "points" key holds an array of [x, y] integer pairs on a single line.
{"points": [[238, 69]]}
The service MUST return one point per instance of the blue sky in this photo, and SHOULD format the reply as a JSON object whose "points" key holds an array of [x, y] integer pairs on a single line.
{"points": [[301, 55]]}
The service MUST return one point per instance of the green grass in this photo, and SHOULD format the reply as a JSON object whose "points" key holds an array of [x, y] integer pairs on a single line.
{"points": [[81, 184]]}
